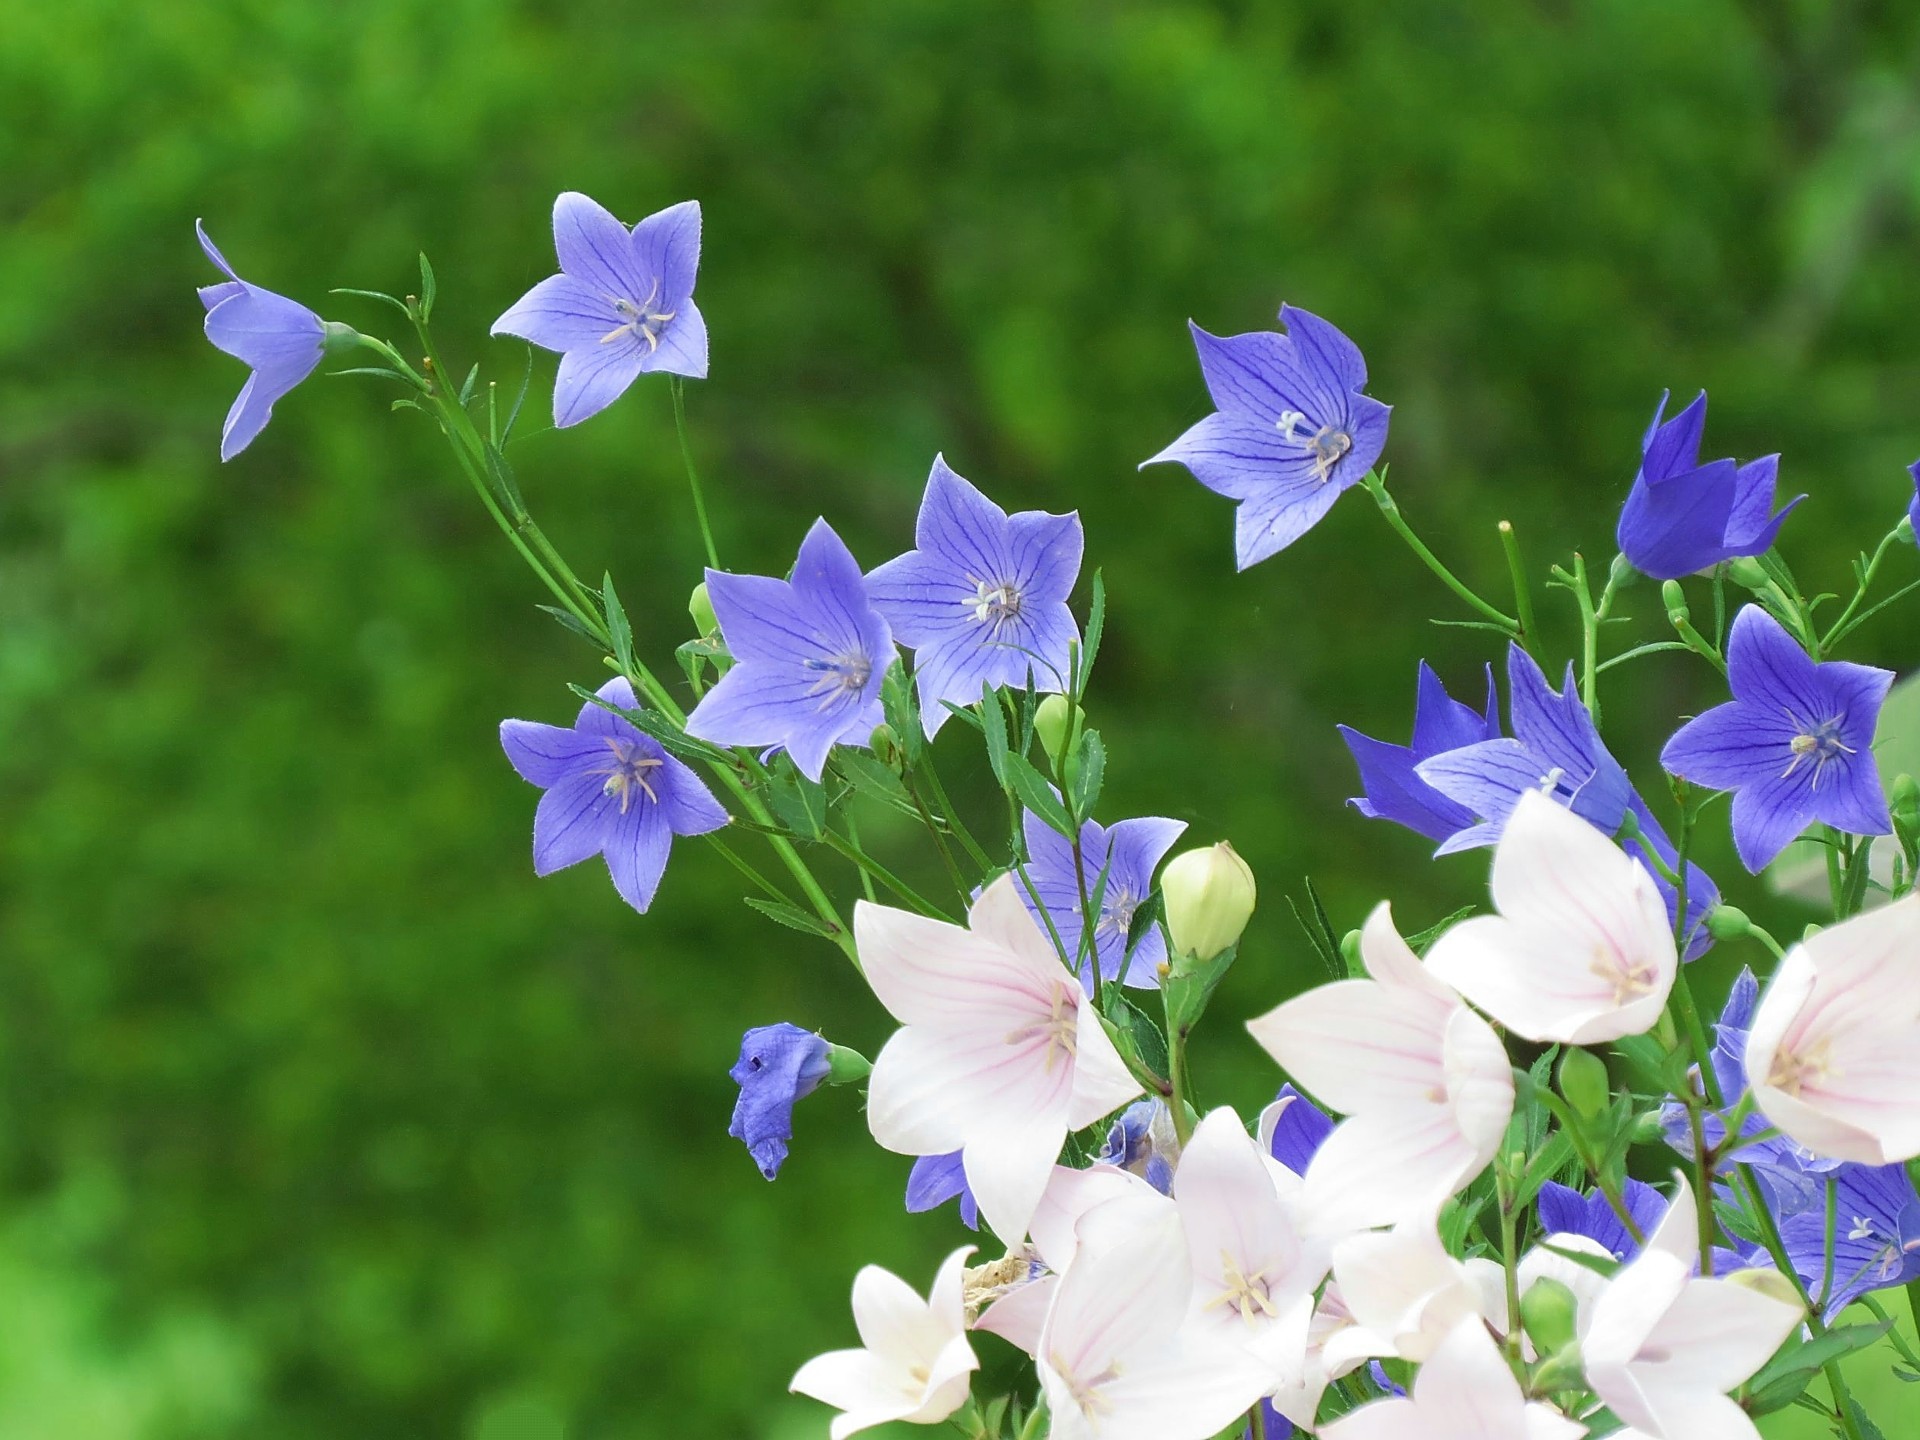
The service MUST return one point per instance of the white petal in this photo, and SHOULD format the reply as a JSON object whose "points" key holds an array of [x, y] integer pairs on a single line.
{"points": [[1718, 1334], [894, 1323], [1019, 1316], [1069, 1195], [1001, 917], [1188, 1389], [1101, 1081], [927, 972], [1008, 1166], [932, 1091], [1127, 1289], [1391, 1419], [1391, 961], [1383, 1168], [859, 1383], [1479, 1083], [1359, 1044]]}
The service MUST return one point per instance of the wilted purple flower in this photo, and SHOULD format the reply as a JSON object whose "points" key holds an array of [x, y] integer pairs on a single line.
{"points": [[1291, 429], [281, 339], [1682, 516], [1394, 791], [1128, 852], [936, 1179], [809, 655], [622, 304], [1565, 1211], [1293, 1129], [1876, 1234], [983, 600], [611, 791], [1795, 744], [779, 1066], [1142, 1140]]}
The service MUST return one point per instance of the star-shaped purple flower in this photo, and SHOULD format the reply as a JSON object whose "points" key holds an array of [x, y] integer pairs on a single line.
{"points": [[612, 791], [621, 305], [1291, 429], [1876, 1233], [983, 599], [1128, 852], [1387, 772], [809, 656], [1795, 744], [282, 340], [779, 1066], [1565, 1211], [1682, 516]]}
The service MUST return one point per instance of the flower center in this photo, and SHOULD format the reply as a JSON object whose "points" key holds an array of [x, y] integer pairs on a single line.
{"points": [[628, 773], [1246, 1293], [1059, 1030], [1326, 444], [643, 322], [994, 604], [1791, 1072], [840, 676], [981, 1285], [1819, 742], [1116, 913], [1086, 1393], [1628, 981]]}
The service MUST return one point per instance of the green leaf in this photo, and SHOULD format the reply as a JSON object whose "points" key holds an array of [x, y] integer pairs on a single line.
{"points": [[902, 714], [1096, 622], [386, 372], [1433, 932], [869, 777], [1862, 1422], [572, 622], [371, 295], [429, 288], [1031, 787], [618, 630], [1546, 1162], [466, 386], [1319, 932], [652, 722], [1088, 771], [994, 726], [1782, 1378], [790, 916], [798, 801], [1137, 1034]]}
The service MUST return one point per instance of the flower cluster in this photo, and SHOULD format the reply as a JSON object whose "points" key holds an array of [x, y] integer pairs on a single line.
{"points": [[1431, 1232]]}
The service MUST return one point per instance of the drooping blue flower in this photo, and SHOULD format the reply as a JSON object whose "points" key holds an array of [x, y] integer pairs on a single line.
{"points": [[1142, 1140], [1795, 744], [810, 654], [282, 340], [1127, 852], [936, 1179], [1565, 1211], [982, 601], [1295, 1128], [1291, 430], [621, 305], [1387, 772], [611, 791], [1876, 1234], [1682, 516], [779, 1066]]}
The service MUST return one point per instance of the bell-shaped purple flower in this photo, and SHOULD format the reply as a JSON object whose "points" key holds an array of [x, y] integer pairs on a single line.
{"points": [[982, 600], [1682, 516], [280, 339], [1565, 1211], [809, 656], [1394, 791], [1128, 852], [1290, 431], [779, 1066], [936, 1179], [611, 790], [1795, 744], [621, 305]]}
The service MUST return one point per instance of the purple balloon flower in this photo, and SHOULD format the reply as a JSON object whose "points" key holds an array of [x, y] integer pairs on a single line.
{"points": [[1795, 744], [983, 599], [1393, 790], [779, 1066], [1565, 1211], [1291, 429], [936, 1179], [621, 305], [1682, 516], [1876, 1233], [282, 340], [1129, 852], [809, 656], [612, 791]]}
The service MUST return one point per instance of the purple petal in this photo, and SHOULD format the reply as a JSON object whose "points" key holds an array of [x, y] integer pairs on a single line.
{"points": [[1769, 815], [1676, 525], [1442, 723], [1488, 778], [253, 407], [561, 313], [590, 380], [1557, 728], [1299, 1132], [268, 331], [1674, 447], [961, 526], [212, 252], [828, 583], [689, 806], [779, 1066], [1045, 551], [1268, 522], [1324, 350], [1137, 847], [596, 248], [760, 620], [1730, 746], [1236, 457], [682, 345], [1753, 527], [666, 247], [1767, 669], [212, 295], [573, 822], [1850, 797], [637, 844], [598, 720], [1394, 791], [545, 755], [936, 1179]]}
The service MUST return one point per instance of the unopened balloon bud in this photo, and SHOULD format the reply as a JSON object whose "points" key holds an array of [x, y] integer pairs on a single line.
{"points": [[1209, 897], [1728, 922], [886, 747], [846, 1067], [1906, 806], [1350, 952], [700, 607], [1584, 1082], [337, 339], [1767, 1281], [1055, 721], [1748, 573], [1550, 1312], [1675, 600], [1649, 1128]]}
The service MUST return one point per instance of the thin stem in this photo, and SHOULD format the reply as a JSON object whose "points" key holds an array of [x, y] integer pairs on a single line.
{"points": [[1866, 615], [745, 867], [1509, 1256], [1826, 1269], [866, 875], [1841, 625], [678, 388], [871, 870], [1522, 592], [939, 840], [947, 811], [1390, 511]]}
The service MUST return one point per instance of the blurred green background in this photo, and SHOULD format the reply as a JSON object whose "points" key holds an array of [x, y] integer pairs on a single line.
{"points": [[319, 1116]]}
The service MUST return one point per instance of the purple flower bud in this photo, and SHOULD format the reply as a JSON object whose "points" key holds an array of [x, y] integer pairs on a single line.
{"points": [[779, 1066]]}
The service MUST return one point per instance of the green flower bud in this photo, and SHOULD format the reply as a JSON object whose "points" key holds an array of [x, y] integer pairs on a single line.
{"points": [[1621, 573], [1209, 898], [700, 607], [1905, 529], [1548, 1311], [1675, 600], [1055, 720], [337, 339], [1648, 1128], [1584, 1082], [1748, 573], [1906, 805], [1350, 952], [1728, 922], [886, 747], [846, 1067]]}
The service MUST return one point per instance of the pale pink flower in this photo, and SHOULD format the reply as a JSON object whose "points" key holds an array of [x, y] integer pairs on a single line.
{"points": [[915, 1363], [1834, 1054], [1000, 1053], [1425, 1082], [1581, 951], [1464, 1392], [1297, 1395], [1663, 1347], [1406, 1293]]}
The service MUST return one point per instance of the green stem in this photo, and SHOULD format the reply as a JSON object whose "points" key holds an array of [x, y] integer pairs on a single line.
{"points": [[948, 813], [1390, 511], [1860, 595], [871, 869], [1522, 592], [1509, 1257], [678, 388]]}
